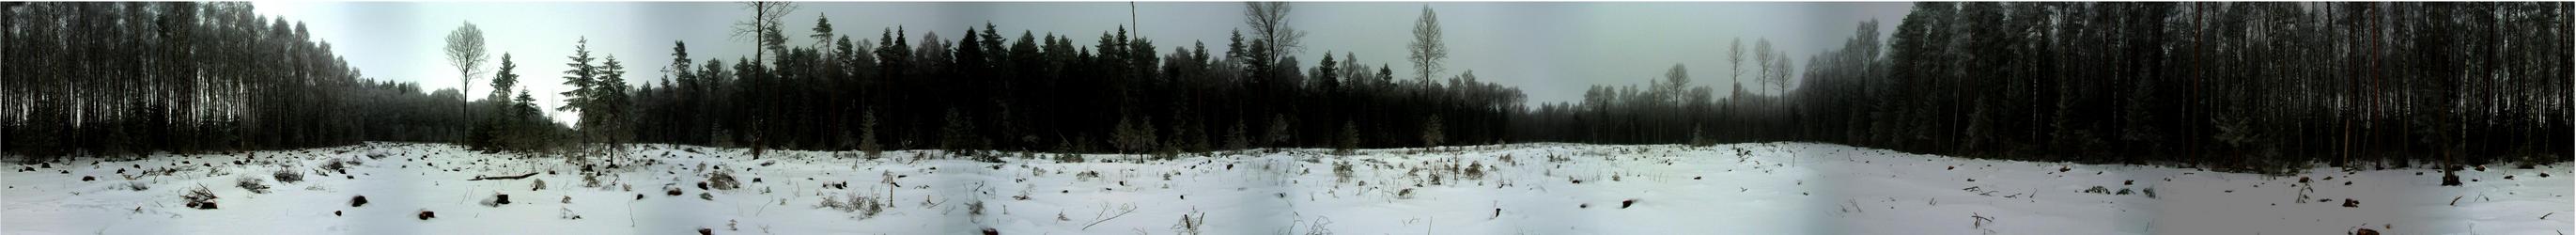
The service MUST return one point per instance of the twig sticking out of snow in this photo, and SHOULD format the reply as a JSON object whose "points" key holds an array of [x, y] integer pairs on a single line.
{"points": [[1980, 222], [1105, 216]]}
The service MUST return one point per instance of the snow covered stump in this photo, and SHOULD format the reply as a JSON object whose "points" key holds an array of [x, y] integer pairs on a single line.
{"points": [[497, 200]]}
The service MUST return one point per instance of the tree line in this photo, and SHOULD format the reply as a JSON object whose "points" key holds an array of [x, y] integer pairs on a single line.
{"points": [[187, 77], [1033, 92], [2245, 86]]}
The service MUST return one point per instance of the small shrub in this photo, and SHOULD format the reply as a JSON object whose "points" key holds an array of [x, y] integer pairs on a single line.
{"points": [[1190, 224], [975, 208], [288, 176], [2098, 189], [200, 197], [837, 204], [1342, 171], [1086, 175], [337, 166], [251, 183], [866, 207], [722, 181], [1475, 170]]}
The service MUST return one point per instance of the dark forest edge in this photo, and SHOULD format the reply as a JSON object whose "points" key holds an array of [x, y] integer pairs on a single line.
{"points": [[2234, 86]]}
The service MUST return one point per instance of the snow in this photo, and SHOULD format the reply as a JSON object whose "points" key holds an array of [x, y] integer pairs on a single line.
{"points": [[1760, 188]]}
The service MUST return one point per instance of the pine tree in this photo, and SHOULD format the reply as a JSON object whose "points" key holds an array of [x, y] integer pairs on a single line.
{"points": [[1279, 132], [1235, 138], [958, 135], [491, 132], [1350, 138], [1431, 133], [608, 110], [579, 77], [582, 77], [868, 134], [1131, 137], [822, 30]]}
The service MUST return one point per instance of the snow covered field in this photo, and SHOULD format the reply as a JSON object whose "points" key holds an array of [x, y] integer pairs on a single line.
{"points": [[1774, 188]]}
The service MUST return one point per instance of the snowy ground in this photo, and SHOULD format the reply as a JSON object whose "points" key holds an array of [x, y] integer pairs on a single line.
{"points": [[1782, 188]]}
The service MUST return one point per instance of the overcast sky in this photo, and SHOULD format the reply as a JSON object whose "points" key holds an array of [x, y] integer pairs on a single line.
{"points": [[1552, 51]]}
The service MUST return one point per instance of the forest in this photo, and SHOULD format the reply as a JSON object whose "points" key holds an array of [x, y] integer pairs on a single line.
{"points": [[1041, 92], [2239, 86], [136, 77]]}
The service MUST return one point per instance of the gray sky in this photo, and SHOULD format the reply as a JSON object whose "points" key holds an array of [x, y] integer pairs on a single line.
{"points": [[1552, 51]]}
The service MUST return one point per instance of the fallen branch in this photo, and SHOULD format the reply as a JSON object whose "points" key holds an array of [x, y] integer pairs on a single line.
{"points": [[2546, 216], [522, 176], [2455, 201]]}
